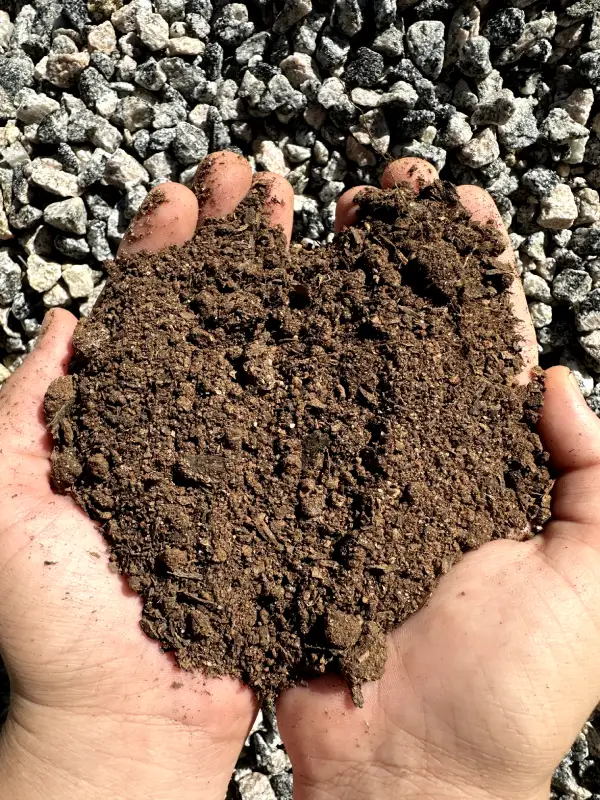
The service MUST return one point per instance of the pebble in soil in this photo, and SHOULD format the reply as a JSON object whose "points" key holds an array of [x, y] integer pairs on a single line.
{"points": [[286, 451]]}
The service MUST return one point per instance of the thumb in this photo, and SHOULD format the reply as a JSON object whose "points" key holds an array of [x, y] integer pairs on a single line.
{"points": [[570, 432], [569, 429], [22, 427]]}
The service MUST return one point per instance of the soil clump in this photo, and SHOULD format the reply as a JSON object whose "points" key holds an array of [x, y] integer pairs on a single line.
{"points": [[286, 450]]}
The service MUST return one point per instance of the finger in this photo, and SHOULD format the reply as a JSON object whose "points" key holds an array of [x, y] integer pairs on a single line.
{"points": [[482, 208], [347, 211], [221, 182], [570, 432], [414, 171], [278, 200], [569, 429], [409, 170], [22, 426], [167, 216]]}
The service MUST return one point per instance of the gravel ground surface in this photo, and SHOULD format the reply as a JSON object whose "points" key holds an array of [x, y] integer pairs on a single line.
{"points": [[101, 100]]}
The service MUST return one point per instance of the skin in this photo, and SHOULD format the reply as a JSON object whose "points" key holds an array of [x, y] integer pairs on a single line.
{"points": [[485, 688]]}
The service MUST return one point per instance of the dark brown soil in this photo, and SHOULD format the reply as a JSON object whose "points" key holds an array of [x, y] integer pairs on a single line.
{"points": [[285, 452]]}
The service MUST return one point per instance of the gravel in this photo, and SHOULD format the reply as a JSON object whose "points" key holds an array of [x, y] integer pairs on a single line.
{"points": [[100, 102]]}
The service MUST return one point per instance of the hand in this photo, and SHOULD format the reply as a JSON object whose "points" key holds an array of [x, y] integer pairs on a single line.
{"points": [[487, 686], [98, 711]]}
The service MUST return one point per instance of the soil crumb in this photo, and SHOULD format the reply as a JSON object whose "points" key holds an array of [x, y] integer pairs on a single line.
{"points": [[286, 451]]}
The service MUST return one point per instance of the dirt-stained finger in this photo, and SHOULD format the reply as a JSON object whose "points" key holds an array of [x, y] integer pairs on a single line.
{"points": [[415, 171], [167, 216], [221, 182], [278, 200], [482, 208], [347, 211]]}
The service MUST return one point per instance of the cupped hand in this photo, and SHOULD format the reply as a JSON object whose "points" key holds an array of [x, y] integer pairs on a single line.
{"points": [[97, 710], [487, 686]]}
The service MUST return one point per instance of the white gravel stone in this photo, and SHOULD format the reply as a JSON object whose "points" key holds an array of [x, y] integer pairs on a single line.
{"points": [[67, 215], [541, 314], [56, 296], [42, 275], [579, 104], [5, 231], [583, 377], [330, 92], [106, 136], [102, 38], [588, 203], [374, 126], [63, 69], [185, 46], [297, 154], [559, 209], [79, 279], [15, 154], [368, 98], [34, 106], [124, 171], [153, 31], [591, 344], [6, 29], [269, 156], [481, 150], [401, 94], [255, 786], [534, 246], [536, 288], [299, 68], [359, 153], [125, 18], [86, 308], [198, 116], [52, 178]]}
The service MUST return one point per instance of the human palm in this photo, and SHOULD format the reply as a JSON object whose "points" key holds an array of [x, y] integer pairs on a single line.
{"points": [[484, 689]]}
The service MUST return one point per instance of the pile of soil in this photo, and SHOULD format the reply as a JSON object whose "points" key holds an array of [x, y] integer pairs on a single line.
{"points": [[286, 450]]}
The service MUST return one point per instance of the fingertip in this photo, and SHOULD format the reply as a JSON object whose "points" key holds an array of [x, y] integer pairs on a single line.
{"points": [[347, 211], [168, 216], [482, 208], [415, 171], [278, 200], [221, 182], [569, 429]]}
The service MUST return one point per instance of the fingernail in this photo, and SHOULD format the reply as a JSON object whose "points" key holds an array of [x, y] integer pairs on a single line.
{"points": [[46, 322], [574, 382]]}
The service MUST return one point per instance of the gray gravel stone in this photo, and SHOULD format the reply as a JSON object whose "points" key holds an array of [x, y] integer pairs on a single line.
{"points": [[521, 130], [10, 278], [588, 313], [190, 144], [571, 286], [425, 41], [390, 42]]}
